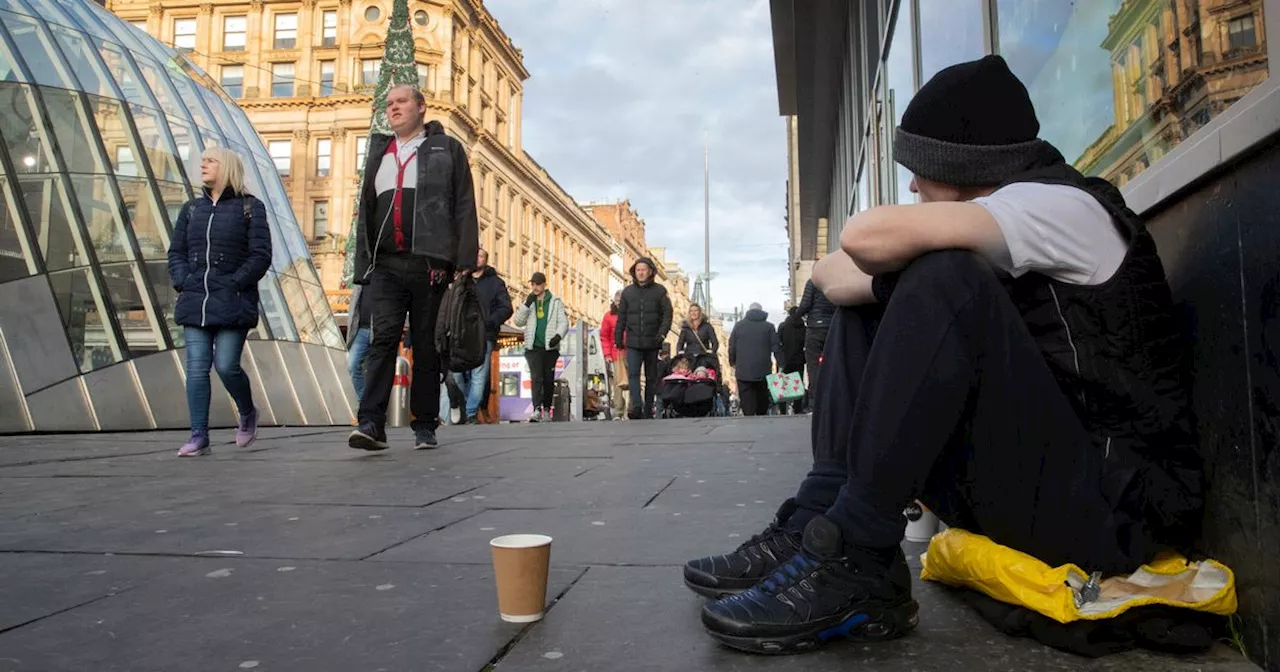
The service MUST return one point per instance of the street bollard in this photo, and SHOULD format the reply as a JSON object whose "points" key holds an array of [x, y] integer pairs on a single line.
{"points": [[398, 413]]}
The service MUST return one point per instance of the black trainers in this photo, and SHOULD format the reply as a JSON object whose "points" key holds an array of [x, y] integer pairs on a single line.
{"points": [[717, 576], [824, 593], [368, 437], [425, 439]]}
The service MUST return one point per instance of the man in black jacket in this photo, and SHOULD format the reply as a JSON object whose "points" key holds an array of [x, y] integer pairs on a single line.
{"points": [[1006, 351], [817, 310], [495, 301], [417, 228], [644, 316], [753, 350]]}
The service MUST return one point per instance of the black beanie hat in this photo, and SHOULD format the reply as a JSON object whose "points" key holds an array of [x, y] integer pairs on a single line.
{"points": [[971, 125]]}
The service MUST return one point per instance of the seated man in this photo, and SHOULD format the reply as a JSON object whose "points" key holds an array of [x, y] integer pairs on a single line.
{"points": [[1004, 351]]}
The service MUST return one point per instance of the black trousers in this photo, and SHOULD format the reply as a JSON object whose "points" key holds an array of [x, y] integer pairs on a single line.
{"points": [[401, 285], [542, 371], [753, 397], [648, 361], [815, 340], [942, 394]]}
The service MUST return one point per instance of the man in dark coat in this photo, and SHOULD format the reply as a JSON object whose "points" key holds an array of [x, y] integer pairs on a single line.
{"points": [[1006, 351], [753, 349], [817, 310], [495, 301], [416, 228], [644, 318], [791, 333]]}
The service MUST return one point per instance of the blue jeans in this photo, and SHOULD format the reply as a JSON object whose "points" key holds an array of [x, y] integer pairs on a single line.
{"points": [[355, 360], [473, 382], [220, 348]]}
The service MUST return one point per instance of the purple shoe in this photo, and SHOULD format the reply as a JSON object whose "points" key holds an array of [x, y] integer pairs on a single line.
{"points": [[247, 432], [196, 446]]}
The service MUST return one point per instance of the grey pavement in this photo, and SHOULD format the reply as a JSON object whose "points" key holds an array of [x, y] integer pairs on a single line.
{"points": [[301, 554]]}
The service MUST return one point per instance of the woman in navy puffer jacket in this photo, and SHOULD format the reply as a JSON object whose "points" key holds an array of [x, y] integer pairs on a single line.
{"points": [[221, 249]]}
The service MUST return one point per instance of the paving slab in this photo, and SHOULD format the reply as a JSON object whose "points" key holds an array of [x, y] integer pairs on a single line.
{"points": [[280, 616]]}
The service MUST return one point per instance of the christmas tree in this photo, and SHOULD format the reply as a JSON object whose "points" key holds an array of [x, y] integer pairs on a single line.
{"points": [[398, 67]]}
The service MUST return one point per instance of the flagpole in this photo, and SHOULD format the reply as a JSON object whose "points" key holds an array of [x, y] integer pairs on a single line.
{"points": [[706, 214]]}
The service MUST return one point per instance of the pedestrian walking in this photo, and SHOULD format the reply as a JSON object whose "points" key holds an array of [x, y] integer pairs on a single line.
{"points": [[495, 302], [817, 310], [221, 248], [615, 358], [791, 335], [753, 349], [644, 318], [417, 229], [542, 336]]}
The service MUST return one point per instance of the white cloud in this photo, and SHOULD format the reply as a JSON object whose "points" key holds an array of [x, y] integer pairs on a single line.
{"points": [[619, 98]]}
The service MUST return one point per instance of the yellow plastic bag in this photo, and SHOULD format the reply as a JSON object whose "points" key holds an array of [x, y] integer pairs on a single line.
{"points": [[960, 558]]}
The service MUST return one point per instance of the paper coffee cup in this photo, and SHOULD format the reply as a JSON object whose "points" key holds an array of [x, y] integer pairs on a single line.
{"points": [[921, 523], [520, 564]]}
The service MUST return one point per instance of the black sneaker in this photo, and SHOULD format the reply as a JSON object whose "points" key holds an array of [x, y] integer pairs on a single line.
{"points": [[472, 420], [425, 439], [717, 576], [824, 593], [368, 437]]}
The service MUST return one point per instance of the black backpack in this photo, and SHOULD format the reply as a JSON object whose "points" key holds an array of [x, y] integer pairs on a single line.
{"points": [[460, 332]]}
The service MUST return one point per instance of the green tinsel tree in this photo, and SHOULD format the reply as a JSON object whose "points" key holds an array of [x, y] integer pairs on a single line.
{"points": [[398, 67]]}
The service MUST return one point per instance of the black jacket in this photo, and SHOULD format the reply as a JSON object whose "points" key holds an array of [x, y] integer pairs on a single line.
{"points": [[752, 344], [701, 342], [216, 259], [495, 300], [644, 313], [791, 334], [815, 306], [445, 226]]}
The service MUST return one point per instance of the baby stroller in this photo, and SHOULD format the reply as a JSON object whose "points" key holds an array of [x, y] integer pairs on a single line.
{"points": [[692, 389]]}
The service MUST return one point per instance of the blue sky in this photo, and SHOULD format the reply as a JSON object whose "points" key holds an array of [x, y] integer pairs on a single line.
{"points": [[619, 97]]}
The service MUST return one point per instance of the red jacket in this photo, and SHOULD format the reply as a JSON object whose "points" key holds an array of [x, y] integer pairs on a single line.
{"points": [[607, 327]]}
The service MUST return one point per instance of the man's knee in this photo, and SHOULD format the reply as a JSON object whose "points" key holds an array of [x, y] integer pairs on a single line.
{"points": [[940, 270]]}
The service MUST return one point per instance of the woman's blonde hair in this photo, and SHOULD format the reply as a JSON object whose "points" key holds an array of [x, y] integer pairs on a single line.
{"points": [[231, 171]]}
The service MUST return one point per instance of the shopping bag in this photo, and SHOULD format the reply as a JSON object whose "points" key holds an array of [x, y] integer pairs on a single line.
{"points": [[784, 387]]}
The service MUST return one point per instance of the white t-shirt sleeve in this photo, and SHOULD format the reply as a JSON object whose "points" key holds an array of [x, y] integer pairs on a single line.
{"points": [[1055, 230]]}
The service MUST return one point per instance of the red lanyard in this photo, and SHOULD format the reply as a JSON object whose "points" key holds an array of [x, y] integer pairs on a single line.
{"points": [[398, 199]]}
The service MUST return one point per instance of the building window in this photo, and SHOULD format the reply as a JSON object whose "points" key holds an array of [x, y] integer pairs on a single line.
{"points": [[184, 34], [126, 162], [511, 121], [424, 76], [140, 25], [286, 31], [281, 152], [372, 13], [324, 156], [369, 71], [420, 17], [326, 78], [1095, 69], [319, 219], [950, 33], [1241, 34], [329, 29], [232, 80], [233, 32], [362, 148], [281, 80]]}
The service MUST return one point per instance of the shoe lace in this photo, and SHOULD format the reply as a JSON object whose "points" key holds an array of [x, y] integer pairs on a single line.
{"points": [[762, 538], [790, 571]]}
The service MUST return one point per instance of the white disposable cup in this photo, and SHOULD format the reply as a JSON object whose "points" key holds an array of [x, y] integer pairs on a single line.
{"points": [[922, 529], [520, 566]]}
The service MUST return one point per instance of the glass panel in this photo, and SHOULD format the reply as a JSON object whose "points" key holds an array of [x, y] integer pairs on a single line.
{"points": [[17, 259], [184, 33], [173, 196], [324, 156], [1117, 85], [9, 71], [166, 297], [273, 308], [16, 6], [138, 323], [145, 218], [51, 13], [318, 303], [273, 187], [116, 135], [187, 91], [281, 80], [158, 147], [166, 96], [101, 216], [232, 80], [126, 76], [286, 35], [296, 300], [233, 33], [281, 155], [88, 17], [900, 75], [84, 316], [48, 210], [950, 33], [326, 78], [226, 124], [71, 125], [43, 61], [23, 132]]}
